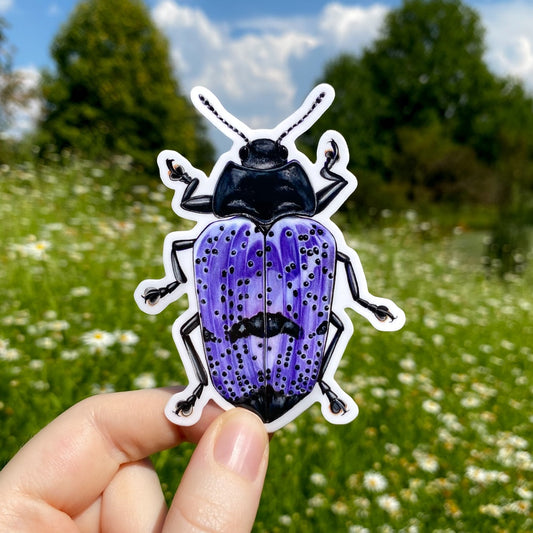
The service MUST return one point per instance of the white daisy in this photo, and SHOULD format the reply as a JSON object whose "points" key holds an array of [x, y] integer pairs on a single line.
{"points": [[126, 338], [389, 503], [374, 481], [98, 340], [145, 380]]}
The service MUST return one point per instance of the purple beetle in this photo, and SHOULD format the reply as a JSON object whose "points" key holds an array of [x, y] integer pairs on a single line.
{"points": [[270, 273]]}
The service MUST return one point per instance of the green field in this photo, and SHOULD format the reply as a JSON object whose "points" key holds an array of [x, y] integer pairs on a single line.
{"points": [[442, 442]]}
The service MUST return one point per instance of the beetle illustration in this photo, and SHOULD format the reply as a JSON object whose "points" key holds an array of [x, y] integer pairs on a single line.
{"points": [[267, 273]]}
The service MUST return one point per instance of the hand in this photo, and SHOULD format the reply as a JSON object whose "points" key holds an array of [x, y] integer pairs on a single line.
{"points": [[88, 470]]}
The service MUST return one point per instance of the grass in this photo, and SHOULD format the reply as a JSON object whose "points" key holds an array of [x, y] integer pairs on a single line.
{"points": [[442, 439]]}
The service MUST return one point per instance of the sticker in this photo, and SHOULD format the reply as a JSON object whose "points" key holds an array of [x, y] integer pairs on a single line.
{"points": [[268, 275]]}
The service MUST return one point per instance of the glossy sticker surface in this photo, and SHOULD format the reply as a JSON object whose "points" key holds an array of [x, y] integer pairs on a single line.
{"points": [[267, 273]]}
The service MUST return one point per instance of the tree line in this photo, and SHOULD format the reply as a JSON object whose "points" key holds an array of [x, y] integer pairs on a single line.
{"points": [[425, 119], [113, 90]]}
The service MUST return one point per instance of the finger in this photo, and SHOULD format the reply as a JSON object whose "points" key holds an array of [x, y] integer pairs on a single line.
{"points": [[87, 521], [69, 463], [133, 501], [221, 487]]}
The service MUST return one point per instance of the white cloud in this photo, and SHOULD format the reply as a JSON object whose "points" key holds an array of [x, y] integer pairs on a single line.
{"points": [[193, 37], [509, 38], [262, 68], [253, 64], [256, 68], [352, 27], [517, 56], [53, 10], [24, 117], [5, 5]]}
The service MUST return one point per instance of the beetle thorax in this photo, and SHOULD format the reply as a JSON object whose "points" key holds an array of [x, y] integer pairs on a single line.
{"points": [[265, 186]]}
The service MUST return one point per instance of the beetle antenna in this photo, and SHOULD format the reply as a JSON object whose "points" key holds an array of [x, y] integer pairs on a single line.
{"points": [[213, 110], [317, 101]]}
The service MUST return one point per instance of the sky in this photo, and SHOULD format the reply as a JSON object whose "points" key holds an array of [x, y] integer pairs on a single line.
{"points": [[261, 58]]}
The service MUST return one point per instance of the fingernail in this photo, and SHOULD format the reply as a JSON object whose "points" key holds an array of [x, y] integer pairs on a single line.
{"points": [[240, 445]]}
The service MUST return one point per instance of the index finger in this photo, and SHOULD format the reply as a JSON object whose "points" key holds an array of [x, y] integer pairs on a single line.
{"points": [[70, 462]]}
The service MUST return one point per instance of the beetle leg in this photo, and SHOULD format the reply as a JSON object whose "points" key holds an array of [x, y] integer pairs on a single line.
{"points": [[197, 204], [326, 195], [335, 403], [178, 246], [381, 312], [152, 295], [185, 407]]}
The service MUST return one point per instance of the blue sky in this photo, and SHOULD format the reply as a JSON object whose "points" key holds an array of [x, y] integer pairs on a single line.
{"points": [[40, 19], [261, 58]]}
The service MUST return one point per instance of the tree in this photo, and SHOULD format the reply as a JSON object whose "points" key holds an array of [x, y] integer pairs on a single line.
{"points": [[5, 68], [113, 91], [353, 113], [507, 134], [429, 62], [15, 94], [12, 91], [433, 168], [428, 112]]}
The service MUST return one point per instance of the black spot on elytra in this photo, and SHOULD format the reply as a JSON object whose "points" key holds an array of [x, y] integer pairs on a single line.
{"points": [[208, 335], [275, 324], [322, 328]]}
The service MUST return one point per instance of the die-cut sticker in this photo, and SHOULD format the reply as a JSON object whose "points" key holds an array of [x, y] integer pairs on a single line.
{"points": [[268, 275]]}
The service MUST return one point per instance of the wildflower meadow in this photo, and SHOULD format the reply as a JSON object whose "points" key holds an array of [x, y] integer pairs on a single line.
{"points": [[443, 438]]}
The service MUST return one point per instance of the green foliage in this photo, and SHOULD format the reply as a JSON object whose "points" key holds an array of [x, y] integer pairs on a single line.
{"points": [[5, 68], [113, 91], [445, 403], [511, 140], [432, 168], [429, 64], [355, 104]]}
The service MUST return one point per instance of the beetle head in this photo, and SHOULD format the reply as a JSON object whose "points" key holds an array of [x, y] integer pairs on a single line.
{"points": [[263, 154]]}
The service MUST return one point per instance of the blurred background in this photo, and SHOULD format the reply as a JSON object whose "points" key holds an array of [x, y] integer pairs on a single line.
{"points": [[435, 100]]}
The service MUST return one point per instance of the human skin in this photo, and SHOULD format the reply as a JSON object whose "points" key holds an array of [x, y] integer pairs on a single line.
{"points": [[88, 470]]}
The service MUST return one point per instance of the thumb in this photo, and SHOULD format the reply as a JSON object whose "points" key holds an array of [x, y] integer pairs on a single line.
{"points": [[221, 487]]}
